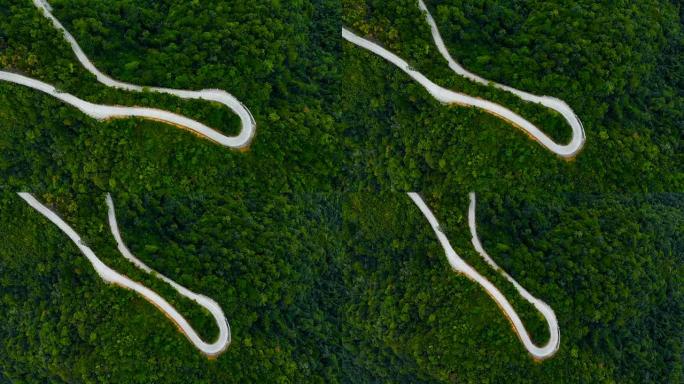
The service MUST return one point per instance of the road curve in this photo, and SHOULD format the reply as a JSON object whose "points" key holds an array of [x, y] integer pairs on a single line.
{"points": [[578, 136], [446, 96], [111, 276], [459, 265], [553, 344], [102, 112]]}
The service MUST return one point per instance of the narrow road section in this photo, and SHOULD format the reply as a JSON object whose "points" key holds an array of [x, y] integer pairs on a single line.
{"points": [[578, 136], [111, 276], [446, 96], [459, 265], [103, 112], [553, 344]]}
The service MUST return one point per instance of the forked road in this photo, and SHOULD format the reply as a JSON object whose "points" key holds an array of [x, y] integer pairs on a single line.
{"points": [[104, 112], [109, 275]]}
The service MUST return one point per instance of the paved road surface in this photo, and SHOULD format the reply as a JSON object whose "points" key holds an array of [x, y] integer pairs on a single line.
{"points": [[103, 112], [446, 96], [459, 265], [111, 276]]}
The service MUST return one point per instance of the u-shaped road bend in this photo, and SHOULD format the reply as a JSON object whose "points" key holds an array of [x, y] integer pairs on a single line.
{"points": [[447, 96], [109, 275], [459, 265], [103, 112]]}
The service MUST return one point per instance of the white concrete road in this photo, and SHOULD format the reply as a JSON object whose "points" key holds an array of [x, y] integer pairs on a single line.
{"points": [[111, 276], [446, 96], [459, 265], [566, 151], [103, 112]]}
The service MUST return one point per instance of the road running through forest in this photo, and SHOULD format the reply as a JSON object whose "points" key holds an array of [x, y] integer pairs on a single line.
{"points": [[104, 112], [459, 265], [109, 275], [446, 96]]}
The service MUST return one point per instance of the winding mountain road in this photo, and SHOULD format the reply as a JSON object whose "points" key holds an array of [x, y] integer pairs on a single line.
{"points": [[446, 96], [103, 112], [109, 275], [565, 151], [459, 265]]}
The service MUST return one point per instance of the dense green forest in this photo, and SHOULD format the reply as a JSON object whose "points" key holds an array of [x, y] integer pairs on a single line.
{"points": [[619, 67], [345, 288], [610, 266], [277, 59], [260, 256], [325, 269]]}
